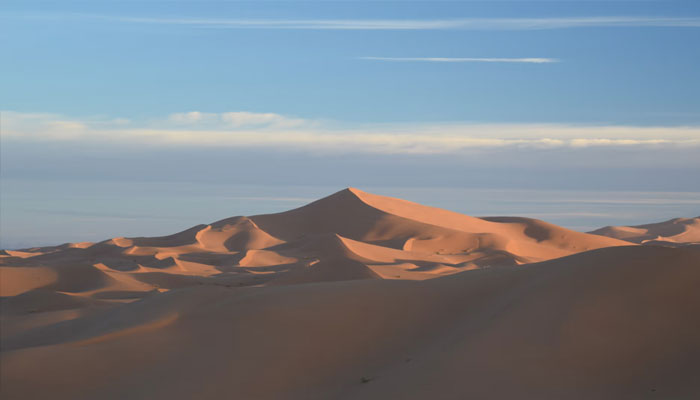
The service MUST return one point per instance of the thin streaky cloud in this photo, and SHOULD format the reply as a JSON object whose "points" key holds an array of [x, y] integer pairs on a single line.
{"points": [[438, 24], [530, 60], [400, 24]]}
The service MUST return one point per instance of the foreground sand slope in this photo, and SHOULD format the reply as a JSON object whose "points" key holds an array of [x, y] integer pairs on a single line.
{"points": [[674, 232], [613, 323]]}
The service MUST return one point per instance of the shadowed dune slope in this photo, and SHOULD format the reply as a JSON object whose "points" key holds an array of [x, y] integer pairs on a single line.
{"points": [[674, 232], [612, 323]]}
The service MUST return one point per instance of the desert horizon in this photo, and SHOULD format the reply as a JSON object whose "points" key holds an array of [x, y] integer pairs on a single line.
{"points": [[123, 208], [611, 230], [344, 200]]}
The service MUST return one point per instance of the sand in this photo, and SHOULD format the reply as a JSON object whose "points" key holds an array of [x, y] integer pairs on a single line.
{"points": [[674, 232], [356, 296]]}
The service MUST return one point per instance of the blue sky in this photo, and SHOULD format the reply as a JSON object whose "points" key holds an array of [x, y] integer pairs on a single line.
{"points": [[551, 95], [92, 58]]}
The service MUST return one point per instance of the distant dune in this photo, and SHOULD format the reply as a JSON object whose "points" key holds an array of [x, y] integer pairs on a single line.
{"points": [[674, 232], [357, 296]]}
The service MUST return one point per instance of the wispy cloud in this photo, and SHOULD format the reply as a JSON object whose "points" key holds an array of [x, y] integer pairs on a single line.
{"points": [[275, 131], [464, 59], [237, 119], [405, 24]]}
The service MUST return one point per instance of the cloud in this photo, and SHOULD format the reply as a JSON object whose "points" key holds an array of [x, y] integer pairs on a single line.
{"points": [[616, 142], [275, 131], [464, 59], [191, 117], [405, 24], [237, 119]]}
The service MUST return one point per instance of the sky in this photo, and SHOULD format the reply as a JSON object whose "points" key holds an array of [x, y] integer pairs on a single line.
{"points": [[438, 101]]}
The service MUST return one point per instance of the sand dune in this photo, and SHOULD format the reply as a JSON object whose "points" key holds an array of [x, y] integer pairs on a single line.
{"points": [[355, 296], [386, 235], [674, 232]]}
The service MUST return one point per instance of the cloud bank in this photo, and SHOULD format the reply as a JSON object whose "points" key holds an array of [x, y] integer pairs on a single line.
{"points": [[243, 129]]}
